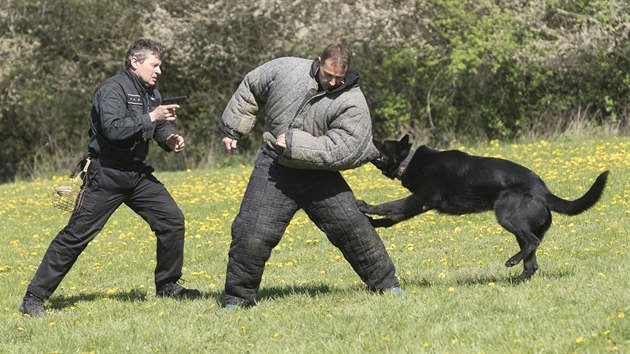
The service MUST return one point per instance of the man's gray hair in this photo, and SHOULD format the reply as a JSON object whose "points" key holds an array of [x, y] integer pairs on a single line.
{"points": [[338, 53], [141, 48]]}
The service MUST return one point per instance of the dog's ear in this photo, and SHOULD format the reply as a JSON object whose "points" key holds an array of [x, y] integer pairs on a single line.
{"points": [[404, 142]]}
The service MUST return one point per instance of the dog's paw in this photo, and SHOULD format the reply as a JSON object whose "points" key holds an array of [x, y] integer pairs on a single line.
{"points": [[363, 206], [514, 260], [384, 222], [525, 276]]}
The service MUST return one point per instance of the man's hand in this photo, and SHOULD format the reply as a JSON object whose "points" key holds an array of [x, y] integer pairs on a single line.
{"points": [[229, 143], [167, 112], [281, 141], [175, 142]]}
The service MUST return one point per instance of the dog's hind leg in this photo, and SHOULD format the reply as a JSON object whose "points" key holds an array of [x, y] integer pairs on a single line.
{"points": [[517, 213], [530, 244], [530, 263], [530, 266]]}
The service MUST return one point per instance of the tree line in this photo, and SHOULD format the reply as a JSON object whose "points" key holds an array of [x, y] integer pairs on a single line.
{"points": [[442, 70]]}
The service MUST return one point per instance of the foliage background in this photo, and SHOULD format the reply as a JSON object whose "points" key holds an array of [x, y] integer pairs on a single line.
{"points": [[443, 70]]}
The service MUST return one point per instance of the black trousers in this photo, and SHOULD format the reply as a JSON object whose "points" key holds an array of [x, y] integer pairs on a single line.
{"points": [[105, 190], [273, 196]]}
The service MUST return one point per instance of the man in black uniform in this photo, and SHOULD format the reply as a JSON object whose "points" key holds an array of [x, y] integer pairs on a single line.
{"points": [[126, 115]]}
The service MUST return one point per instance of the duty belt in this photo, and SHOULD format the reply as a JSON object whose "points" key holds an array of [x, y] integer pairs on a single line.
{"points": [[121, 164]]}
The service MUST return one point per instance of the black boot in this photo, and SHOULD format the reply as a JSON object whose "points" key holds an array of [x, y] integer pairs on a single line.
{"points": [[32, 305], [176, 291]]}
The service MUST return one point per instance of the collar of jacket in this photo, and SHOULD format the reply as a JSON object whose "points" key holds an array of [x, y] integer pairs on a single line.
{"points": [[351, 80], [137, 82]]}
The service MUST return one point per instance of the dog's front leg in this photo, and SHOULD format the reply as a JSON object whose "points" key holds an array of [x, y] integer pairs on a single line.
{"points": [[395, 211]]}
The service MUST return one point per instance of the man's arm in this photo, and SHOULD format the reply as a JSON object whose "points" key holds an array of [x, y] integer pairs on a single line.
{"points": [[241, 111], [163, 131], [116, 125], [347, 144]]}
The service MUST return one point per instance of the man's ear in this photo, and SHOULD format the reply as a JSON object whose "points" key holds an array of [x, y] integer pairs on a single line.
{"points": [[134, 62]]}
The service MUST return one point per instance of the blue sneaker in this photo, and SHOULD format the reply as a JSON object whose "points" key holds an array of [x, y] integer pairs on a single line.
{"points": [[230, 307], [397, 290]]}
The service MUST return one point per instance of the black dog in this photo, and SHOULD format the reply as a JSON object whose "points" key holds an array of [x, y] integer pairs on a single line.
{"points": [[454, 182]]}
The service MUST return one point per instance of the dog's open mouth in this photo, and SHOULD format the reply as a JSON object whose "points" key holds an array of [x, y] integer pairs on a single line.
{"points": [[384, 164], [380, 159]]}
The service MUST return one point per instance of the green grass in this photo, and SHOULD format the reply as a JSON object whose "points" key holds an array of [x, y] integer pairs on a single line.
{"points": [[458, 295]]}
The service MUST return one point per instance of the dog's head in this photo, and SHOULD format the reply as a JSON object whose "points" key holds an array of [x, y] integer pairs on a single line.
{"points": [[392, 154]]}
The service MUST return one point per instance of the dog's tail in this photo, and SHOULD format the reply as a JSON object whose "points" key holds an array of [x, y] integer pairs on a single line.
{"points": [[581, 204]]}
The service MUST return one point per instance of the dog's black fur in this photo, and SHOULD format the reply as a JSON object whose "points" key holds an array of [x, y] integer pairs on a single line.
{"points": [[454, 182]]}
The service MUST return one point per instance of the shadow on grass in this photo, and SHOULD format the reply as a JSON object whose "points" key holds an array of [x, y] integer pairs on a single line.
{"points": [[278, 292], [138, 294], [416, 282], [275, 292], [313, 290], [132, 295], [511, 279]]}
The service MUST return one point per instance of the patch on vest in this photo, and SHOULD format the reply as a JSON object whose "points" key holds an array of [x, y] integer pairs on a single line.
{"points": [[134, 99]]}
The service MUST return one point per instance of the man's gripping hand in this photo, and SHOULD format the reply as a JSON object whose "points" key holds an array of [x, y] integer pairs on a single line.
{"points": [[229, 143], [167, 113], [176, 142], [282, 141]]}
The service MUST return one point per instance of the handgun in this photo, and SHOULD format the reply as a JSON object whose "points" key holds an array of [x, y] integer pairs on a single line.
{"points": [[173, 100]]}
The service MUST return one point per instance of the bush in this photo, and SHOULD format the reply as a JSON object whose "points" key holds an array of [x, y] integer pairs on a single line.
{"points": [[441, 70]]}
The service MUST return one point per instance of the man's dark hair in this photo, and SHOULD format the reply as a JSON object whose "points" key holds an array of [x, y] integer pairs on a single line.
{"points": [[338, 53], [141, 48]]}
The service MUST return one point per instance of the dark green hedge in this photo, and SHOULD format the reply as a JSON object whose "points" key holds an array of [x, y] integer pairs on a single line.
{"points": [[441, 70]]}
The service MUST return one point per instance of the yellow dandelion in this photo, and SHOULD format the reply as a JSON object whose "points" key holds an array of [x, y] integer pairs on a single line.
{"points": [[579, 340]]}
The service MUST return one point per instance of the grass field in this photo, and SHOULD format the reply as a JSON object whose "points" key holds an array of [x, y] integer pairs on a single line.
{"points": [[458, 296]]}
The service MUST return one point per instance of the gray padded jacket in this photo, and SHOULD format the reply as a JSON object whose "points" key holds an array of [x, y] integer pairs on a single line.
{"points": [[328, 130]]}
